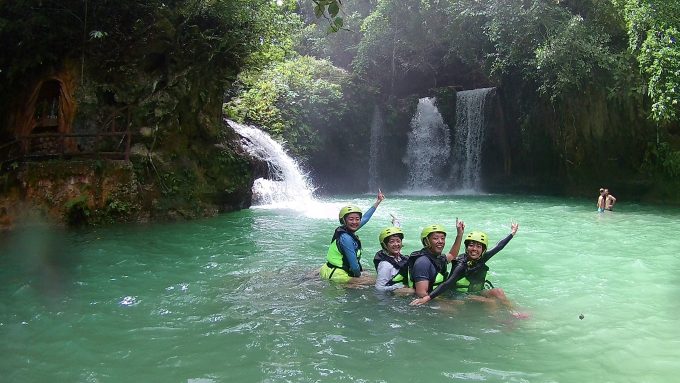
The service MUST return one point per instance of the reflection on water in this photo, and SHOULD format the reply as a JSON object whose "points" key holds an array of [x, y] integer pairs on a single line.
{"points": [[236, 298]]}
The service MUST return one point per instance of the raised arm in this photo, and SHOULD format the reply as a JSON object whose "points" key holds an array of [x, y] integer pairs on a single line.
{"points": [[501, 244], [369, 213], [455, 248], [379, 199]]}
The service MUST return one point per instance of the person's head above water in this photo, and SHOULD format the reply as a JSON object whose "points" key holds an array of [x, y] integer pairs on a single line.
{"points": [[476, 244], [391, 240], [350, 217], [433, 237]]}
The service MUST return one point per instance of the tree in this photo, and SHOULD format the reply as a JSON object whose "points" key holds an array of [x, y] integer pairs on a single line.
{"points": [[294, 100], [653, 30], [403, 40], [147, 54]]}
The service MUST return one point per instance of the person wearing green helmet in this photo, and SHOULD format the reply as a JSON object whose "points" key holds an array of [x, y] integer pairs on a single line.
{"points": [[344, 253], [427, 268], [390, 264], [469, 270]]}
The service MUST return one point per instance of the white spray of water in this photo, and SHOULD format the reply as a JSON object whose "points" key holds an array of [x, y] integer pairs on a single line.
{"points": [[428, 148], [468, 139], [286, 186]]}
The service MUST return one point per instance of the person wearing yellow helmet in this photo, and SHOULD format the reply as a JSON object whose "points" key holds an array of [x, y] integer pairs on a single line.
{"points": [[427, 268], [344, 253], [390, 264], [469, 270]]}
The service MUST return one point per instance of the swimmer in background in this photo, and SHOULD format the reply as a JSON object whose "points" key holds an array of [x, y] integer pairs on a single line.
{"points": [[609, 200], [601, 201]]}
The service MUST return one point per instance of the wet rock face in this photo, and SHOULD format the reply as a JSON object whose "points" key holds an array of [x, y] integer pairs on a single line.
{"points": [[71, 192]]}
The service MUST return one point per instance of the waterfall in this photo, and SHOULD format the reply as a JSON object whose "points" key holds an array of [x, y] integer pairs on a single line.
{"points": [[376, 150], [428, 148], [468, 138], [286, 185]]}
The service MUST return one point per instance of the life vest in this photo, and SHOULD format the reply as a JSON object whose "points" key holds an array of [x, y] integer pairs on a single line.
{"points": [[401, 266], [439, 263], [475, 277], [335, 257]]}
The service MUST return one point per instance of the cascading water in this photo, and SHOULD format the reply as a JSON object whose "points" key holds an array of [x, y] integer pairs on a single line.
{"points": [[375, 155], [286, 185], [468, 137], [428, 148]]}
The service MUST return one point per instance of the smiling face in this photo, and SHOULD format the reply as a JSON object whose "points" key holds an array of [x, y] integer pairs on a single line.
{"points": [[474, 250], [436, 240], [393, 245], [352, 221]]}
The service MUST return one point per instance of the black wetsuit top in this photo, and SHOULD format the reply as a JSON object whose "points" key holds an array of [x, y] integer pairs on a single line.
{"points": [[461, 268]]}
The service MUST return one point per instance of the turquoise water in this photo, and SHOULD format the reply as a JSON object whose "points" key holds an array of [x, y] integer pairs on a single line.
{"points": [[234, 298]]}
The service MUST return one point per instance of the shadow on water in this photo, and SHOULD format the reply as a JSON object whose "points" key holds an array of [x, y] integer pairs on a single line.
{"points": [[39, 260]]}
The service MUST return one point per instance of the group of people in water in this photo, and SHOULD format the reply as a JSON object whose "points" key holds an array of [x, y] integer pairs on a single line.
{"points": [[605, 201], [425, 272]]}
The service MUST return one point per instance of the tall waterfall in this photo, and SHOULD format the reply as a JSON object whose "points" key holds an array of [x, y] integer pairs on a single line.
{"points": [[286, 185], [428, 148], [468, 138], [376, 150]]}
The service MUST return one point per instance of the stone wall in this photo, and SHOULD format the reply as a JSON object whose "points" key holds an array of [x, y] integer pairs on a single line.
{"points": [[71, 192]]}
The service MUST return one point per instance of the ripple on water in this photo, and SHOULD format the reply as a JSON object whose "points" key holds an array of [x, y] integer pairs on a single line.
{"points": [[229, 299]]}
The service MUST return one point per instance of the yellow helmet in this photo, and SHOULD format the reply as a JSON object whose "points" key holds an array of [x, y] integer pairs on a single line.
{"points": [[346, 210], [477, 236], [388, 232], [429, 229]]}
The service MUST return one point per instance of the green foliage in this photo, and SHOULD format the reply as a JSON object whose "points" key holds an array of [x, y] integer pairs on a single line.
{"points": [[653, 37], [662, 160], [292, 100], [150, 55], [563, 48], [572, 58], [330, 10], [403, 38], [339, 47], [77, 210]]}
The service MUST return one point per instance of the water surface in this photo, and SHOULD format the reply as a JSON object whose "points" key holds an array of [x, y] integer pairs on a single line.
{"points": [[235, 298]]}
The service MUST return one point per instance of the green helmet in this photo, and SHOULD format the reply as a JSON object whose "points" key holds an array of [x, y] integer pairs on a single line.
{"points": [[477, 236], [429, 229], [388, 232], [346, 210]]}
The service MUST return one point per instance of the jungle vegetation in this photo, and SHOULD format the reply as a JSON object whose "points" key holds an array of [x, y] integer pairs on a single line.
{"points": [[586, 85]]}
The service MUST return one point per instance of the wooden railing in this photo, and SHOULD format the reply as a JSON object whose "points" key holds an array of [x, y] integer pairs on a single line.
{"points": [[109, 145]]}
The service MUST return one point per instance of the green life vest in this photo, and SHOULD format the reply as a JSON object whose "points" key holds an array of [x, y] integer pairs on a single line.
{"points": [[475, 278], [335, 257], [439, 263], [401, 266]]}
